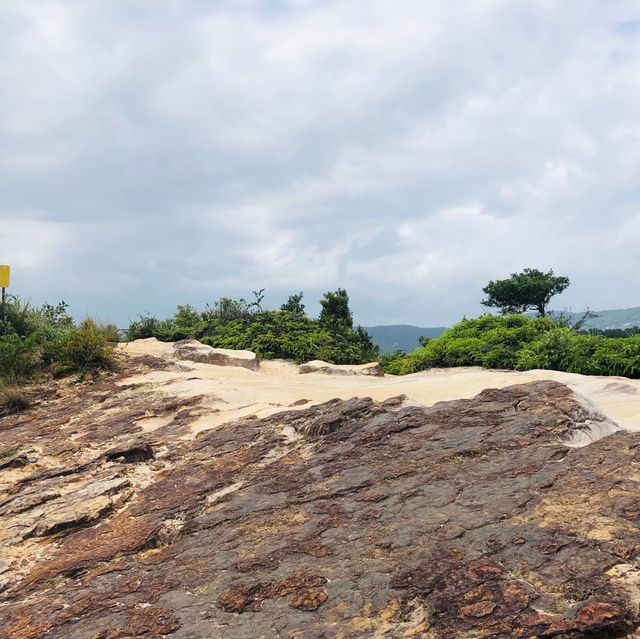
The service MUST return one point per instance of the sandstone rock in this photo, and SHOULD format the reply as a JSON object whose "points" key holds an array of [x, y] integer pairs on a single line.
{"points": [[470, 518], [194, 351], [318, 366]]}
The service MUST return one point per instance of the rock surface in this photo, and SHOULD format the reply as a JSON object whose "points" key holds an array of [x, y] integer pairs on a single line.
{"points": [[470, 518], [194, 351], [318, 366]]}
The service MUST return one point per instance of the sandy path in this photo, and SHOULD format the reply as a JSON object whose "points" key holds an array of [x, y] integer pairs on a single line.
{"points": [[233, 392]]}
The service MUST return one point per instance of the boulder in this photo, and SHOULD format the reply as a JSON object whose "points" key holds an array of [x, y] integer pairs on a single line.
{"points": [[372, 369], [195, 351]]}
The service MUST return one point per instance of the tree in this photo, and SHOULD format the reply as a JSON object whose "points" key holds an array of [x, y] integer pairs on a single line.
{"points": [[530, 290], [294, 305], [335, 313]]}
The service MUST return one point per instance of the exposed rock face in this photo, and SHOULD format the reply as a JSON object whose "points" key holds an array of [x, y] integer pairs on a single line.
{"points": [[194, 351], [348, 519], [318, 366]]}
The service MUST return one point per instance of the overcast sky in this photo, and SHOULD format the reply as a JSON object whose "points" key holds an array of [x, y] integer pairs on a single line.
{"points": [[156, 152]]}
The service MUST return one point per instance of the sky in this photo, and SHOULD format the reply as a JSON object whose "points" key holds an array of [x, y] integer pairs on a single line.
{"points": [[164, 152]]}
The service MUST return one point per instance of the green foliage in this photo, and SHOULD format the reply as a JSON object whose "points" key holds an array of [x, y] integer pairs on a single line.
{"points": [[386, 359], [530, 290], [84, 349], [19, 357], [565, 320], [290, 335], [294, 304], [57, 315], [612, 332], [287, 333], [111, 333], [20, 318], [336, 314], [144, 327], [523, 343], [37, 340]]}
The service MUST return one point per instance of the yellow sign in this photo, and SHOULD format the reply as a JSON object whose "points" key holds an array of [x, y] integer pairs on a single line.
{"points": [[5, 273]]}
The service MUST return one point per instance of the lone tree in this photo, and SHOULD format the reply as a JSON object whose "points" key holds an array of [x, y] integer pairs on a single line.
{"points": [[530, 290], [336, 314]]}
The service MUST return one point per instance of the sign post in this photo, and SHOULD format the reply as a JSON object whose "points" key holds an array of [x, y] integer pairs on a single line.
{"points": [[5, 277]]}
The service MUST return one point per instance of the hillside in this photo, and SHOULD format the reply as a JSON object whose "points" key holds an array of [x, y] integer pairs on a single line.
{"points": [[402, 337], [183, 500], [615, 318]]}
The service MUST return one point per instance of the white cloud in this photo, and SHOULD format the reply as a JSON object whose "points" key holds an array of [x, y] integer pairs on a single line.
{"points": [[406, 150]]}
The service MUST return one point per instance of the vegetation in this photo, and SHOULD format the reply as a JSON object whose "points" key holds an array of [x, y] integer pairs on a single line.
{"points": [[524, 343], [12, 400], [530, 290], [38, 340], [287, 333], [516, 341], [46, 340], [612, 332]]}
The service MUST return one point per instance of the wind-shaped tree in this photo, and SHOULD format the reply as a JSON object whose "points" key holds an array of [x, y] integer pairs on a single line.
{"points": [[529, 290]]}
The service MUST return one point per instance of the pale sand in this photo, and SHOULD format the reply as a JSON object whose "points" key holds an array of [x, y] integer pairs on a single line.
{"points": [[233, 392]]}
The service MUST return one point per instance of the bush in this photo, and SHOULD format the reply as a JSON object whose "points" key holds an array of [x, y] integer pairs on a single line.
{"points": [[19, 358], [287, 333], [144, 327], [522, 343], [12, 400], [111, 333], [84, 349]]}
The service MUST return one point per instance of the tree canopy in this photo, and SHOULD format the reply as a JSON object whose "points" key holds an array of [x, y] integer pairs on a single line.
{"points": [[529, 290], [335, 313]]}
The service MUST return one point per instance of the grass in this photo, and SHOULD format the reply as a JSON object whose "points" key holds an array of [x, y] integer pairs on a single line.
{"points": [[558, 605], [12, 400], [87, 348], [40, 341]]}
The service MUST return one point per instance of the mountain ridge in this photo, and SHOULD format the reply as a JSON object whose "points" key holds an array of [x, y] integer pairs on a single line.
{"points": [[403, 337]]}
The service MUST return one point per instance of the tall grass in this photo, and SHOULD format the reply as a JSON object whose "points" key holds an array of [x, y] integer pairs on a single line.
{"points": [[38, 340]]}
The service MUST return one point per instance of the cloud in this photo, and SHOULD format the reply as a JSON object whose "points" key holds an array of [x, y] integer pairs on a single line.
{"points": [[159, 152]]}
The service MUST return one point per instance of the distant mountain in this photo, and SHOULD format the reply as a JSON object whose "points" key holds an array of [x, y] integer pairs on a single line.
{"points": [[401, 336], [616, 318]]}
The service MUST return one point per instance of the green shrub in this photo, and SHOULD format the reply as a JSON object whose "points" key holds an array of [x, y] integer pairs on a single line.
{"points": [[20, 318], [385, 360], [19, 357], [287, 333], [144, 327], [523, 343], [110, 332], [85, 349]]}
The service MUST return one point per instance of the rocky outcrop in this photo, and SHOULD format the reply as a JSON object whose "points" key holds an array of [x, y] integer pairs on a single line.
{"points": [[194, 351], [348, 519], [169, 355], [318, 366]]}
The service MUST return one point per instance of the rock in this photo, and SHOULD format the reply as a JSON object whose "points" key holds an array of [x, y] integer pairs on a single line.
{"points": [[318, 366], [59, 516], [470, 518], [195, 351]]}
